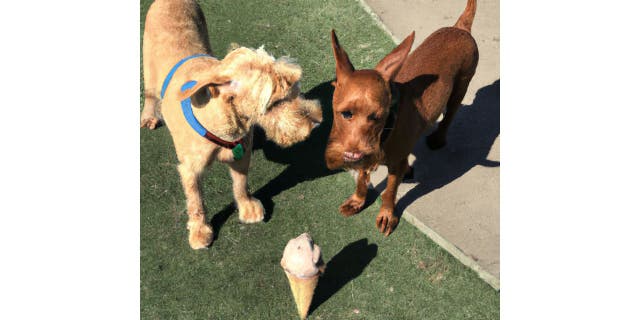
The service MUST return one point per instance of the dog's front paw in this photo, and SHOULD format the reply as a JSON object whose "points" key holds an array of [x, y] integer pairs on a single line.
{"points": [[351, 206], [149, 122], [251, 211], [200, 235], [386, 221]]}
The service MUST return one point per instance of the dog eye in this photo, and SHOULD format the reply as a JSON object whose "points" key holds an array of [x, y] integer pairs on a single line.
{"points": [[346, 114], [372, 117]]}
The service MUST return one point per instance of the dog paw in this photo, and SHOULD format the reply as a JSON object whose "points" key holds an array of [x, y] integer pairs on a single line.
{"points": [[251, 211], [436, 141], [200, 235], [351, 206], [149, 122], [386, 221]]}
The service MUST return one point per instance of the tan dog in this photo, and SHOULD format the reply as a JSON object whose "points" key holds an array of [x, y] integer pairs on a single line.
{"points": [[434, 78], [225, 97]]}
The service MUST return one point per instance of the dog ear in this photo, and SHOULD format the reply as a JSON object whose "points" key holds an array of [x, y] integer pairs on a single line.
{"points": [[265, 96], [216, 85], [343, 65], [391, 64], [288, 71]]}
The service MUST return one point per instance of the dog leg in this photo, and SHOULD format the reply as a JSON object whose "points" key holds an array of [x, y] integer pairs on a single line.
{"points": [[149, 117], [200, 233], [438, 139], [250, 209], [397, 149], [386, 221], [354, 203]]}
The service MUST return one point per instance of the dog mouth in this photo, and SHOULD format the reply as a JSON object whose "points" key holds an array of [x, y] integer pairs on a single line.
{"points": [[352, 156]]}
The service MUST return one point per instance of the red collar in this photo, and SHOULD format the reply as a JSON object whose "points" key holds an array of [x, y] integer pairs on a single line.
{"points": [[223, 143]]}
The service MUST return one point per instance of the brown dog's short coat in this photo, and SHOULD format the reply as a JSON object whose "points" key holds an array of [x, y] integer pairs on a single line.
{"points": [[246, 88], [434, 78]]}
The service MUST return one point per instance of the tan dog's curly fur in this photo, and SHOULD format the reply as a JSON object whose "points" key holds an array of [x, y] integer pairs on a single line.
{"points": [[248, 87], [431, 80]]}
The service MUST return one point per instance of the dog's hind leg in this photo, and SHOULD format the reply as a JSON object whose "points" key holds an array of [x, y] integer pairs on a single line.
{"points": [[150, 112], [355, 202], [200, 233], [250, 209], [438, 138], [149, 117]]}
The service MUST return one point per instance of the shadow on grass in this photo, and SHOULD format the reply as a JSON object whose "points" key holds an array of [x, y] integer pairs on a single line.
{"points": [[218, 220], [470, 138], [345, 266], [305, 159]]}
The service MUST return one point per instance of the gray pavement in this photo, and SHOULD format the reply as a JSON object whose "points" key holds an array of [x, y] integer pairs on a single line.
{"points": [[455, 194]]}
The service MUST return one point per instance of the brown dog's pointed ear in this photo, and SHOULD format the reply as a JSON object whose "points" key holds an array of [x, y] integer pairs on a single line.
{"points": [[343, 65], [391, 64]]}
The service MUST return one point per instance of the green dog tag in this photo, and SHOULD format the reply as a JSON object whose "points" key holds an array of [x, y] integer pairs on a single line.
{"points": [[238, 151]]}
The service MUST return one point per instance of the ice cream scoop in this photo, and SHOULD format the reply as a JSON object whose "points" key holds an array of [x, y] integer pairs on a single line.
{"points": [[303, 265]]}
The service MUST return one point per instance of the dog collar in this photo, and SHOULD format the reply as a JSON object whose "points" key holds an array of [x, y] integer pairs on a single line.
{"points": [[395, 97], [236, 146], [393, 111]]}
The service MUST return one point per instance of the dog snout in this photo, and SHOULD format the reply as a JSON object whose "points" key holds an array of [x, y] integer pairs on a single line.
{"points": [[312, 111]]}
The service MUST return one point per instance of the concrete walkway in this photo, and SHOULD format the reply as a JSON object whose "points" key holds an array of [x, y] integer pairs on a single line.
{"points": [[455, 195]]}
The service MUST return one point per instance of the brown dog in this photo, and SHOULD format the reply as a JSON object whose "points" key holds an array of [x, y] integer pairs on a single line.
{"points": [[210, 105], [434, 77]]}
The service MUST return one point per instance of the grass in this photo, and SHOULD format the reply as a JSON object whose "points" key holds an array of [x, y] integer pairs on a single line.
{"points": [[404, 276]]}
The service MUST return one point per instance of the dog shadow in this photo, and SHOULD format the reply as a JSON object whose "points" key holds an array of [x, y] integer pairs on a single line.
{"points": [[305, 159], [470, 138], [345, 266]]}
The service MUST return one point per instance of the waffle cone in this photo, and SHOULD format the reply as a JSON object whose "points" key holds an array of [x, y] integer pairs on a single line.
{"points": [[302, 289]]}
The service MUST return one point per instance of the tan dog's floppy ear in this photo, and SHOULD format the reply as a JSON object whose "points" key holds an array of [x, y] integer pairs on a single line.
{"points": [[289, 72], [265, 96], [217, 85], [343, 65], [391, 64]]}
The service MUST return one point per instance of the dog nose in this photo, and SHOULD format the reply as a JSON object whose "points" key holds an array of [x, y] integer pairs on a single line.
{"points": [[352, 156]]}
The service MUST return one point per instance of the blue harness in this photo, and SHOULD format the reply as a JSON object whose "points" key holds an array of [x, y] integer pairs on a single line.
{"points": [[236, 146]]}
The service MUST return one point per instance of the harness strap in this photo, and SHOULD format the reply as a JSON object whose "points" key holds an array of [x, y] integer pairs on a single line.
{"points": [[236, 146], [167, 79]]}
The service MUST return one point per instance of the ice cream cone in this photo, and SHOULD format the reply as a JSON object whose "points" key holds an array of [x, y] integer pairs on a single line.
{"points": [[302, 289], [303, 265]]}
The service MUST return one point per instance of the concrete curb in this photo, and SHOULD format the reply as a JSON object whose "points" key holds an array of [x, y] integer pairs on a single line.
{"points": [[453, 250], [434, 236], [378, 21]]}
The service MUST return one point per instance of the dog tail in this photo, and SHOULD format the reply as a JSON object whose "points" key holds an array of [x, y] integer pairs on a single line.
{"points": [[466, 18]]}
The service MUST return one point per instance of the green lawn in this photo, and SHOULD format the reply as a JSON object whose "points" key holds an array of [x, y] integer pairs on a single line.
{"points": [[404, 276]]}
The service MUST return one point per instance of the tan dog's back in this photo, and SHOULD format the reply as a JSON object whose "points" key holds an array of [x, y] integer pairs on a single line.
{"points": [[174, 29]]}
